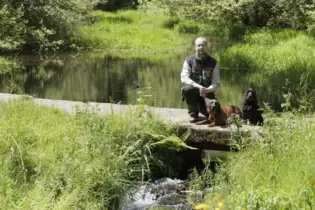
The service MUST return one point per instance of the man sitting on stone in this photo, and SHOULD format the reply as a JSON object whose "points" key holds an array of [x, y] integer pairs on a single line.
{"points": [[200, 78]]}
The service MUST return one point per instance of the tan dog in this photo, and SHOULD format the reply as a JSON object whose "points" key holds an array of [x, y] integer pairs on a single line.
{"points": [[218, 115]]}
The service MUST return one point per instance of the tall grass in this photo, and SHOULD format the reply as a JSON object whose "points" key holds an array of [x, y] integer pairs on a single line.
{"points": [[267, 59], [52, 160], [273, 171]]}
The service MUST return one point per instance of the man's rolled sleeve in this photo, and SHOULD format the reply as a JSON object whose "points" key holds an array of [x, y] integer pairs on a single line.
{"points": [[185, 76], [215, 79]]}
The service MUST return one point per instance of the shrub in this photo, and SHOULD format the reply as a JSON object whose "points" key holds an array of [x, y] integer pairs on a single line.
{"points": [[113, 5], [187, 27], [311, 30], [41, 25], [279, 13], [171, 22], [12, 28]]}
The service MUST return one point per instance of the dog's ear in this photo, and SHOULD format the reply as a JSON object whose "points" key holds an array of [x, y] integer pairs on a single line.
{"points": [[217, 105], [253, 93]]}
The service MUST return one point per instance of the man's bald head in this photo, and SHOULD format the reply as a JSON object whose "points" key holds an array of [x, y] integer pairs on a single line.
{"points": [[201, 46], [201, 40]]}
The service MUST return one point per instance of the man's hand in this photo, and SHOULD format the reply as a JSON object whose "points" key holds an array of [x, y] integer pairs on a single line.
{"points": [[203, 91]]}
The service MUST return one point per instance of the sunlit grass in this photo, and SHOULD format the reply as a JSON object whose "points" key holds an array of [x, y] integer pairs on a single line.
{"points": [[274, 171], [52, 160], [136, 33], [268, 60]]}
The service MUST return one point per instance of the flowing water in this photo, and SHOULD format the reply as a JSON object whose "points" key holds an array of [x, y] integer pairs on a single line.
{"points": [[164, 193]]}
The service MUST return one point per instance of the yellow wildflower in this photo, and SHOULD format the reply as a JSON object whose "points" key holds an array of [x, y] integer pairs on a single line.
{"points": [[202, 207], [220, 205]]}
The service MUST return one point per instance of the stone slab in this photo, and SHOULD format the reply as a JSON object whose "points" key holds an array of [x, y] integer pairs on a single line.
{"points": [[200, 136]]}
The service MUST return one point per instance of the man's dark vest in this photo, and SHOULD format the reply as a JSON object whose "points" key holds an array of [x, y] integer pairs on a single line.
{"points": [[201, 70]]}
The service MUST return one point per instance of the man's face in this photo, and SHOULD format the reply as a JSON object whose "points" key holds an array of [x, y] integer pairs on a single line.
{"points": [[201, 46]]}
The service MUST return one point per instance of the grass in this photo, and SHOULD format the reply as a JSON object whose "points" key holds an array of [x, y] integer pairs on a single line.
{"points": [[267, 60], [52, 160], [273, 171], [148, 35], [133, 34]]}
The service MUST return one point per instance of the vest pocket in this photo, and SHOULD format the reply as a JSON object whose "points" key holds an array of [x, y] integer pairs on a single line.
{"points": [[206, 77]]}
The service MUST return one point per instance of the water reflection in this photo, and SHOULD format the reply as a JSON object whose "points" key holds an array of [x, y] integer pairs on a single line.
{"points": [[97, 78]]}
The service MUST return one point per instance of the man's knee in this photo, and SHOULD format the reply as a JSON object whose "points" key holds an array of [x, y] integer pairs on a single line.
{"points": [[190, 93], [188, 89]]}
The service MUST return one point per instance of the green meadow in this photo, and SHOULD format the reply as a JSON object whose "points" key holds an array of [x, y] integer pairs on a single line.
{"points": [[133, 34]]}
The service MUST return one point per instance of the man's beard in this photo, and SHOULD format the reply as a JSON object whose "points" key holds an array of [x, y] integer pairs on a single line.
{"points": [[202, 54]]}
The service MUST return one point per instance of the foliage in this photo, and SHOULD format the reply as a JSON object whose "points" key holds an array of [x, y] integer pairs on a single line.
{"points": [[171, 22], [279, 13], [311, 30], [52, 160], [12, 74], [187, 27], [113, 5], [41, 25], [6, 65], [12, 28]]}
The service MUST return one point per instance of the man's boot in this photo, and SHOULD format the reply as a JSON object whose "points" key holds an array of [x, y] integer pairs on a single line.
{"points": [[193, 113]]}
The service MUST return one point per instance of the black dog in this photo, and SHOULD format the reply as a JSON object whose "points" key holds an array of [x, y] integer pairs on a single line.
{"points": [[251, 113]]}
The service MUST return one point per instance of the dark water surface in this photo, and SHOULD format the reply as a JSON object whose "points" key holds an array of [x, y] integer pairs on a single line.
{"points": [[92, 77]]}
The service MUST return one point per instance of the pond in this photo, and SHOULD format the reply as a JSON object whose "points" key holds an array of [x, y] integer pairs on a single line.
{"points": [[92, 77]]}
